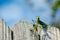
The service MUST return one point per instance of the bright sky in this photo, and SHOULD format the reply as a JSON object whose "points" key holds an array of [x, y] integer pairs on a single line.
{"points": [[14, 10]]}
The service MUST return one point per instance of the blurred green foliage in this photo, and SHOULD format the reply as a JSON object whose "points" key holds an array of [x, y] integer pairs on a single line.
{"points": [[55, 8]]}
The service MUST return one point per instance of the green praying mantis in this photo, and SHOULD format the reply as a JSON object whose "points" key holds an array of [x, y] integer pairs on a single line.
{"points": [[37, 23]]}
